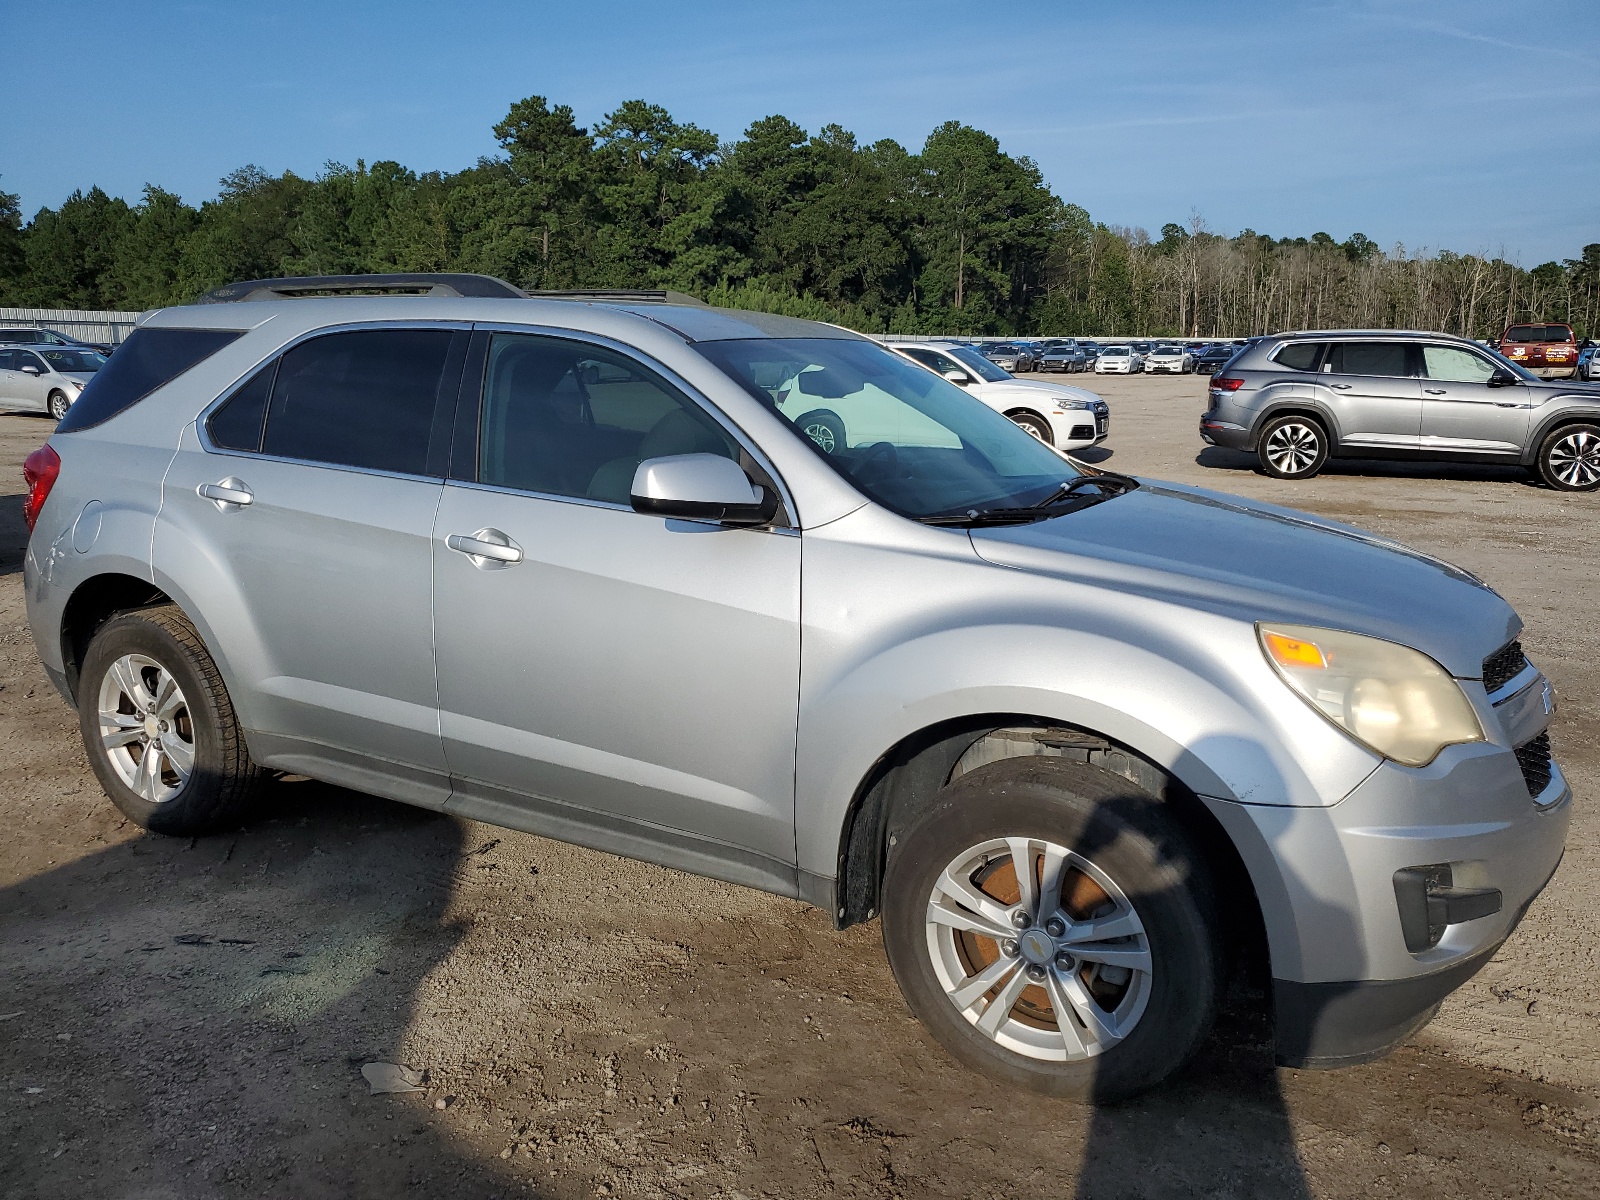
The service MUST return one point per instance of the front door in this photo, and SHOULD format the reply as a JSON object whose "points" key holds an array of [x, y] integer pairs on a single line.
{"points": [[612, 678], [1372, 390], [299, 517], [1461, 413], [29, 385]]}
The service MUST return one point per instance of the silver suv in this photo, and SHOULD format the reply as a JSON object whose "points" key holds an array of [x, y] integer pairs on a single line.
{"points": [[1297, 399], [571, 565]]}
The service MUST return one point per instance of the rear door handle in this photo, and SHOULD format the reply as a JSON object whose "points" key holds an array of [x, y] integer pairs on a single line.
{"points": [[1340, 387], [486, 548], [1433, 391], [228, 494]]}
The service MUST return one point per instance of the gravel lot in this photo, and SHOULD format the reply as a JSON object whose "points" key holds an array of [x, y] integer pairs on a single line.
{"points": [[190, 1019]]}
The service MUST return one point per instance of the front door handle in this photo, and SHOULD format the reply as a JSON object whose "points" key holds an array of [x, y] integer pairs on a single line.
{"points": [[487, 548], [1433, 391], [228, 495], [1340, 387]]}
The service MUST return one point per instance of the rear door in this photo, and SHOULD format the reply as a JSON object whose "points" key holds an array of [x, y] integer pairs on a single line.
{"points": [[1461, 413], [298, 514], [1372, 389]]}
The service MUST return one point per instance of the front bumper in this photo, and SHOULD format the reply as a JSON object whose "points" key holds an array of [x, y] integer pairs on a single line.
{"points": [[1346, 986]]}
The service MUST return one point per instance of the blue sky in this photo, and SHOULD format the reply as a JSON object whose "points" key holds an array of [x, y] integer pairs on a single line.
{"points": [[1433, 125]]}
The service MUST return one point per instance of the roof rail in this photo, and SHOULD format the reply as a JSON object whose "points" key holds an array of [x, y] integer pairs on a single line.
{"points": [[628, 295], [420, 283]]}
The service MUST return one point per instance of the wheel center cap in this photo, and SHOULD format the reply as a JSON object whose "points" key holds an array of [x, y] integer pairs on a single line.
{"points": [[150, 728], [1037, 946]]}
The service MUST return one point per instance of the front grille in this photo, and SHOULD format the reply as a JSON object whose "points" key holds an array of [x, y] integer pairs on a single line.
{"points": [[1534, 759], [1501, 667]]}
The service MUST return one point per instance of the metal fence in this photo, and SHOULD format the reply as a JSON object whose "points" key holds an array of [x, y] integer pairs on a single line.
{"points": [[90, 325]]}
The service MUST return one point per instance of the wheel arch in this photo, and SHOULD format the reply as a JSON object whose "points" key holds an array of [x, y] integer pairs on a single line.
{"points": [[905, 781], [94, 602], [1553, 422], [1297, 406]]}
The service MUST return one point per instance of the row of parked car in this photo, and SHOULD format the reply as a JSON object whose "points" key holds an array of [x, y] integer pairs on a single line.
{"points": [[1066, 355]]}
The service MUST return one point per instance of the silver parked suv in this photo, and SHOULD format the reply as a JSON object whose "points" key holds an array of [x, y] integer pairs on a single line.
{"points": [[1084, 742], [1297, 399]]}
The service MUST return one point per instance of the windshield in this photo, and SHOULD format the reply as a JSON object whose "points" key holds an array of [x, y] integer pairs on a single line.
{"points": [[978, 364], [1114, 352], [903, 436], [81, 361]]}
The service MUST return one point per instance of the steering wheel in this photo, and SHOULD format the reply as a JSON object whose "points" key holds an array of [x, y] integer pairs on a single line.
{"points": [[876, 462]]}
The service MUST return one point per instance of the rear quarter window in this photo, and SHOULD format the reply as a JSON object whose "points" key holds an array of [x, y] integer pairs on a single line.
{"points": [[1299, 356], [149, 359]]}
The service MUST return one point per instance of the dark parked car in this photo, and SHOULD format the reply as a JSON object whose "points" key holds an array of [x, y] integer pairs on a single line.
{"points": [[1062, 356], [1212, 358], [33, 335], [1008, 356]]}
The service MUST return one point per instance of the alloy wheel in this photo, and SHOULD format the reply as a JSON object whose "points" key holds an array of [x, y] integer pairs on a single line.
{"points": [[145, 728], [1575, 459], [1039, 949], [1293, 447], [822, 435]]}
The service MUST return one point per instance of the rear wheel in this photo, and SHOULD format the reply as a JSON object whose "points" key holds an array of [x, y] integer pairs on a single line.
{"points": [[1034, 424], [1569, 459], [159, 727], [1292, 447], [58, 405], [1053, 927]]}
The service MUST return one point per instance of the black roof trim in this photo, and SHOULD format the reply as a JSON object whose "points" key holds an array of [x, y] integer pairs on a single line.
{"points": [[419, 283]]}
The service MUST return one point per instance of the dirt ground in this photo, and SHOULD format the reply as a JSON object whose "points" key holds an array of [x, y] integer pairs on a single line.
{"points": [[190, 1018]]}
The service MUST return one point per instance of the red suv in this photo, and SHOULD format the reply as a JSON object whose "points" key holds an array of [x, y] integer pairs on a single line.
{"points": [[1549, 351]]}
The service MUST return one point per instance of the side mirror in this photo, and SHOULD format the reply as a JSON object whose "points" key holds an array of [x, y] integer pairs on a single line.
{"points": [[701, 487], [958, 377], [1502, 378], [30, 369]]}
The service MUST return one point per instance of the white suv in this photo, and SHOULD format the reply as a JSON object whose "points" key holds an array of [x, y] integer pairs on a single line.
{"points": [[1066, 417]]}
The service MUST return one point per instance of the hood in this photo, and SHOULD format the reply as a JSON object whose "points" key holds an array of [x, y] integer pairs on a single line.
{"points": [[1026, 388], [1257, 562]]}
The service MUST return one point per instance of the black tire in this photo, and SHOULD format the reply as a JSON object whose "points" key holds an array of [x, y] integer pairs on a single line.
{"points": [[1034, 424], [825, 428], [1569, 459], [58, 405], [1292, 447], [223, 781], [1136, 843]]}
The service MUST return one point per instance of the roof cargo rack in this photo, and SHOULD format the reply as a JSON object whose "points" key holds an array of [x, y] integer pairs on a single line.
{"points": [[619, 295], [421, 283]]}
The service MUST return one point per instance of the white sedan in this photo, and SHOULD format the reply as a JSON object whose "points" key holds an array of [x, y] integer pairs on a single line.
{"points": [[1118, 360], [1172, 360], [1058, 414]]}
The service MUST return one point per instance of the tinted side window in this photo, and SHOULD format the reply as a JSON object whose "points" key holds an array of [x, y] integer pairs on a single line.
{"points": [[238, 422], [570, 419], [362, 399], [1369, 358], [1299, 356], [7, 360], [926, 357], [149, 359]]}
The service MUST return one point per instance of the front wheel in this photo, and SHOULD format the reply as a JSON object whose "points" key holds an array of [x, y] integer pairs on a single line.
{"points": [[1053, 927], [159, 727], [1036, 425], [1292, 447], [1569, 459], [58, 405]]}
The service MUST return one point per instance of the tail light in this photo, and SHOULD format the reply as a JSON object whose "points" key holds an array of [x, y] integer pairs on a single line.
{"points": [[1225, 383], [39, 471]]}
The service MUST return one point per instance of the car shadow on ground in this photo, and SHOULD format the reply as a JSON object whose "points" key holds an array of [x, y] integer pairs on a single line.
{"points": [[192, 1016], [1222, 459]]}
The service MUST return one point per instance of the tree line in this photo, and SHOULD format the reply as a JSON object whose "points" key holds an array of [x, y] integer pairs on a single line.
{"points": [[958, 237]]}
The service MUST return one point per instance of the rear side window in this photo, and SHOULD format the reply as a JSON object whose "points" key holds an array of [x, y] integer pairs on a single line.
{"points": [[149, 359], [365, 399], [1370, 358], [1299, 356]]}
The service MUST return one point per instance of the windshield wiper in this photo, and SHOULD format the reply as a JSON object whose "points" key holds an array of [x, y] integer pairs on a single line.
{"points": [[1071, 496]]}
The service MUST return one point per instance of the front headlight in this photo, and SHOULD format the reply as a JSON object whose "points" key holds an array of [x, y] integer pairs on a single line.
{"points": [[1390, 698]]}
